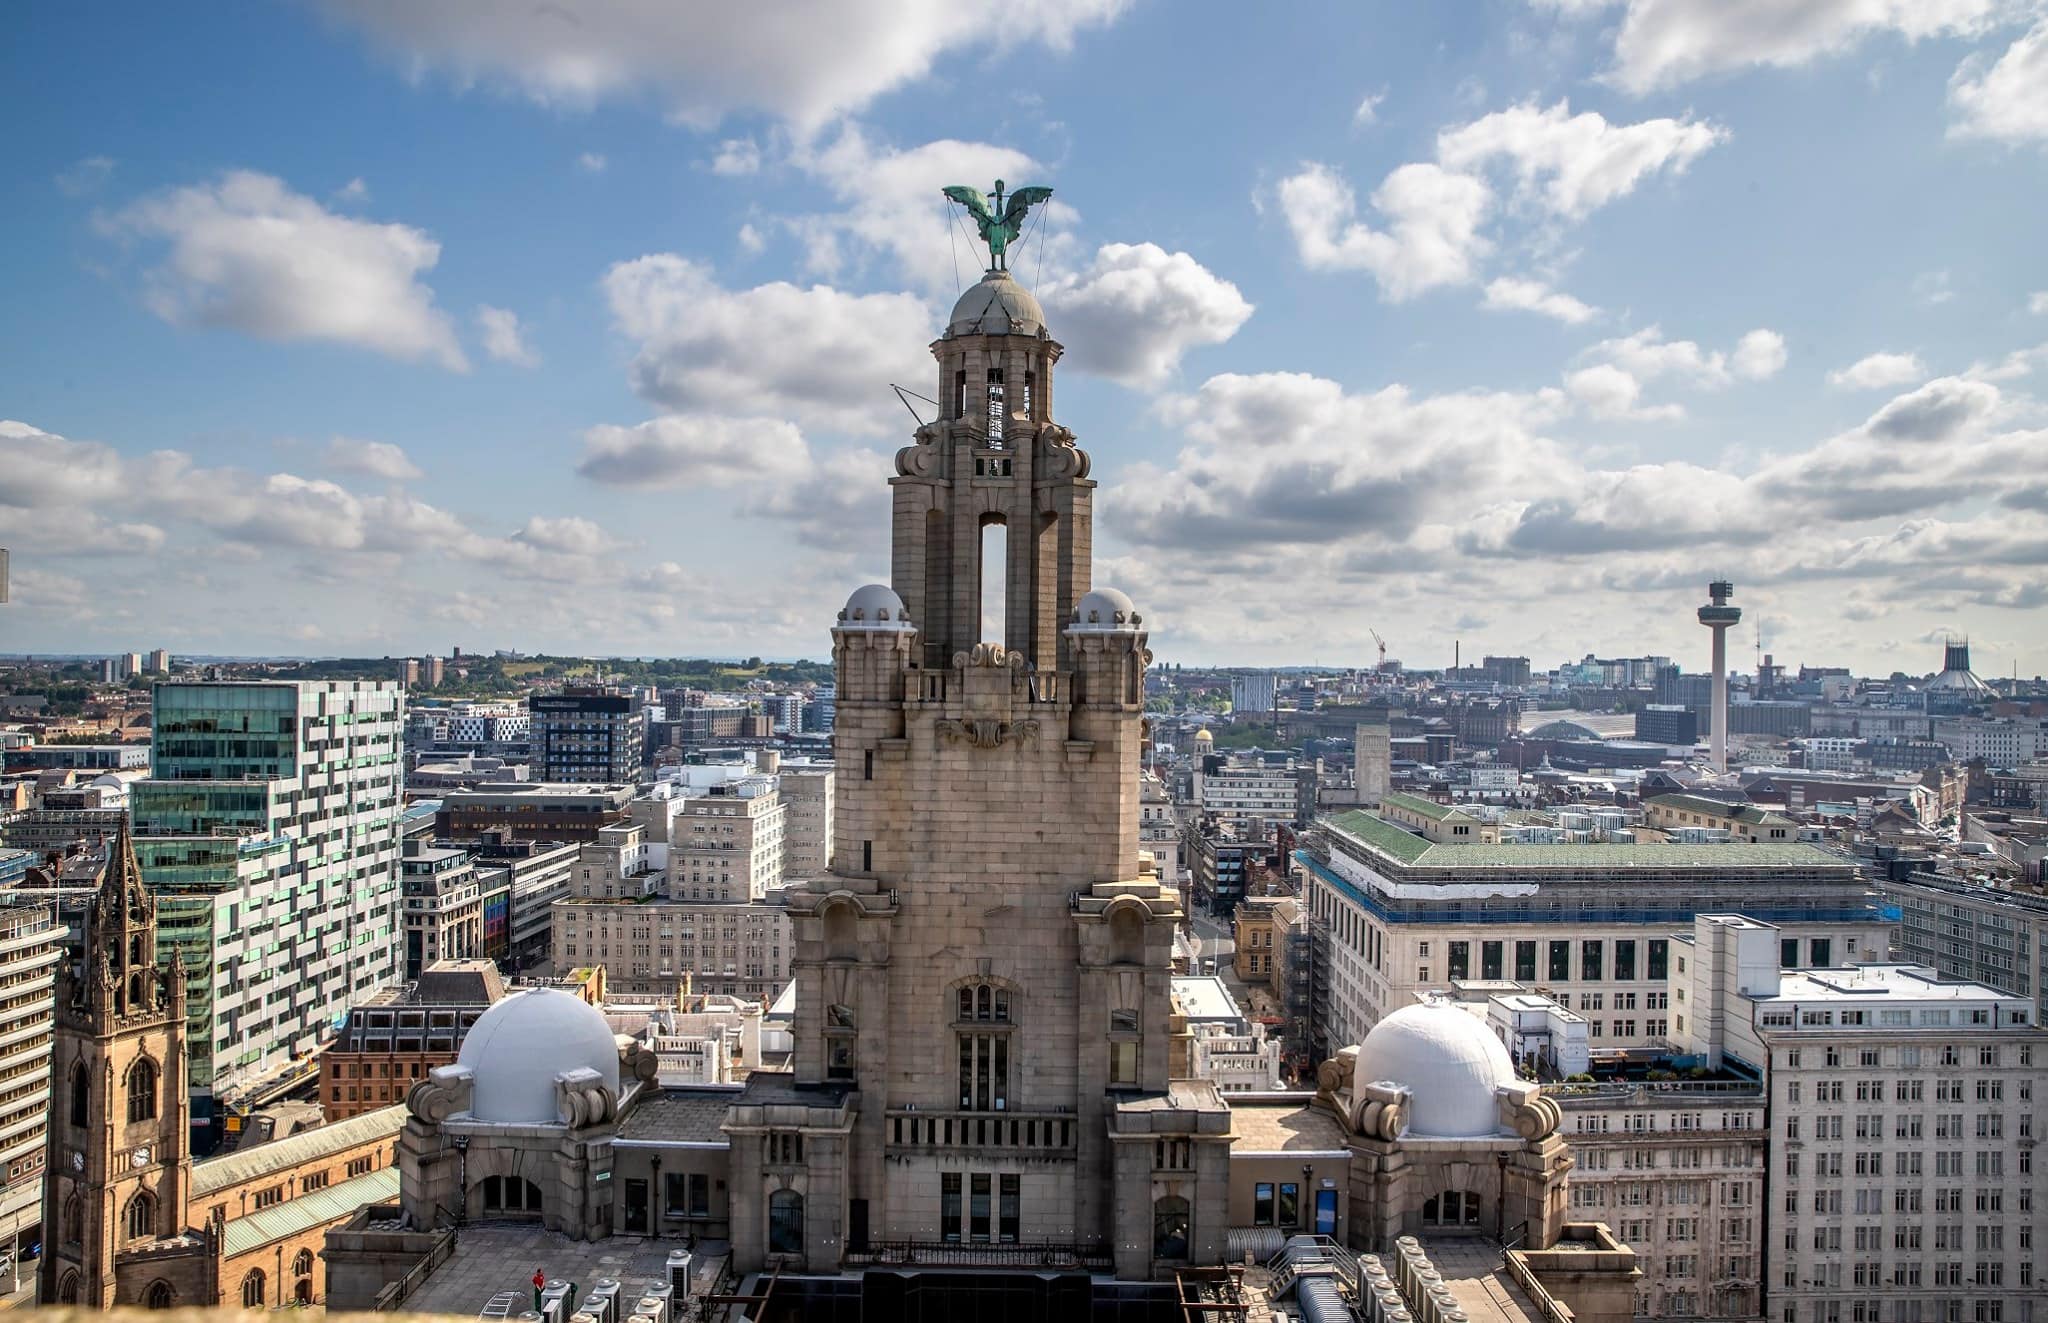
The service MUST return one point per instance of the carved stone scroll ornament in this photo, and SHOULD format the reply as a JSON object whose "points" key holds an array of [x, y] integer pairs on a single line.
{"points": [[582, 1098], [445, 1092], [1063, 459], [986, 732], [1381, 1112]]}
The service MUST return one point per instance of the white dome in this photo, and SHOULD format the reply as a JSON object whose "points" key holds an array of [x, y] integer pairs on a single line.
{"points": [[1105, 610], [875, 606], [996, 306], [517, 1047], [1449, 1062]]}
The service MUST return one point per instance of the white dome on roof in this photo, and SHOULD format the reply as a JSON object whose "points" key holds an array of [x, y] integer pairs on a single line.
{"points": [[875, 606], [1449, 1062], [517, 1047], [997, 305], [1105, 610]]}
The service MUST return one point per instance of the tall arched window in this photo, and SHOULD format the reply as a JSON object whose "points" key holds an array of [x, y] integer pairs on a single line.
{"points": [[302, 1263], [302, 1271], [983, 1047], [160, 1295], [142, 1090], [252, 1289], [74, 1221], [140, 1219], [81, 1094], [67, 1289], [1170, 1228], [785, 1222]]}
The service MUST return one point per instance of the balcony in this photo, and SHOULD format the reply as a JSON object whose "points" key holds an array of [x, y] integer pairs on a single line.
{"points": [[1049, 1133], [968, 1254]]}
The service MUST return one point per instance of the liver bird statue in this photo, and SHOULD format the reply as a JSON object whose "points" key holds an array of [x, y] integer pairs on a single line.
{"points": [[999, 221]]}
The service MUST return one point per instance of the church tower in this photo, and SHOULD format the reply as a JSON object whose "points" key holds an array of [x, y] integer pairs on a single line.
{"points": [[982, 1011], [119, 1172]]}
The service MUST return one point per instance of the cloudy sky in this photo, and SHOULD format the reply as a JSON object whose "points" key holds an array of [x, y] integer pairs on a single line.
{"points": [[364, 326]]}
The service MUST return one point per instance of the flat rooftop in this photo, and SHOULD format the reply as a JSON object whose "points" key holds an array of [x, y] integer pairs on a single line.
{"points": [[491, 1258], [1915, 983], [1205, 997], [1375, 836], [1284, 1127]]}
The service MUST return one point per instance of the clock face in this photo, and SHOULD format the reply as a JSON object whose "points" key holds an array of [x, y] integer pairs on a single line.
{"points": [[140, 1157], [78, 1162]]}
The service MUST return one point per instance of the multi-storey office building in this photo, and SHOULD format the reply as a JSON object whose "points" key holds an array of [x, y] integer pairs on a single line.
{"points": [[585, 735], [444, 906], [1677, 1168], [534, 876], [1993, 936], [30, 952], [807, 795], [269, 835], [1902, 1128], [531, 812], [727, 842], [1159, 829], [653, 946], [1417, 897], [1250, 798]]}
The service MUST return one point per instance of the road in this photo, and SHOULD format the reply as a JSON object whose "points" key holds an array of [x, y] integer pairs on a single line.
{"points": [[1212, 939]]}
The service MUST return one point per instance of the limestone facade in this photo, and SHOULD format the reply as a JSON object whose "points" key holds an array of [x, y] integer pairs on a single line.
{"points": [[981, 1029]]}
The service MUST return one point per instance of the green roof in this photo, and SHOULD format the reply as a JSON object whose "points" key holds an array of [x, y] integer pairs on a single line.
{"points": [[247, 1164], [1406, 847], [1427, 808], [320, 1208]]}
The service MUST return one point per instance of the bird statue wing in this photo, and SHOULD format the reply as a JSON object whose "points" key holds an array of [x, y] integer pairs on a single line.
{"points": [[1021, 201], [971, 199]]}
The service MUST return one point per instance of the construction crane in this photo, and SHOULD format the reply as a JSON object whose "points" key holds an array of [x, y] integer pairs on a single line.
{"points": [[1382, 643]]}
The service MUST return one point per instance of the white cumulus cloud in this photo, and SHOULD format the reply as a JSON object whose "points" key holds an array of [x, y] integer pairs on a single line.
{"points": [[1874, 371], [504, 338], [1514, 293], [378, 459], [818, 355], [806, 61], [249, 254], [1137, 308], [1430, 218], [1572, 165], [694, 450], [2006, 99]]}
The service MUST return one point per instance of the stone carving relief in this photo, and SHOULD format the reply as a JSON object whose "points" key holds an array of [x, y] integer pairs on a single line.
{"points": [[583, 1099], [987, 732], [442, 1094]]}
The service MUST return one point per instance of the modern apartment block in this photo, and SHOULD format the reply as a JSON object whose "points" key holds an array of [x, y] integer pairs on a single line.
{"points": [[1962, 930], [1902, 1127], [1418, 897], [30, 951], [1250, 798], [586, 734], [269, 835]]}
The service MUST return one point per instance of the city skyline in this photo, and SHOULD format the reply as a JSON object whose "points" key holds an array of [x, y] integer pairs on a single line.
{"points": [[342, 330]]}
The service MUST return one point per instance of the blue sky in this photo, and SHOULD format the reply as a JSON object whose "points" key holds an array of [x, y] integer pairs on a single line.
{"points": [[369, 327]]}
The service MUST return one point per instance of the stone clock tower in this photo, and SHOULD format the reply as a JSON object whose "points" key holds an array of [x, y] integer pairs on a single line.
{"points": [[982, 1066], [119, 1172]]}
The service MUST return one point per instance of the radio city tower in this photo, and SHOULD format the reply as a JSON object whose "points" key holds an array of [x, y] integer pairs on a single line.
{"points": [[1718, 616]]}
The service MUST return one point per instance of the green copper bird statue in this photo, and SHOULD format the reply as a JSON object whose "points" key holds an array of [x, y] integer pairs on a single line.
{"points": [[999, 222]]}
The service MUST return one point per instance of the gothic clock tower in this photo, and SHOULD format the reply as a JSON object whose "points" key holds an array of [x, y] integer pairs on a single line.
{"points": [[119, 1170]]}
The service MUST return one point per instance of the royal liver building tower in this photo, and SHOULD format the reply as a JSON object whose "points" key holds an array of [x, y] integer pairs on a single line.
{"points": [[982, 1025]]}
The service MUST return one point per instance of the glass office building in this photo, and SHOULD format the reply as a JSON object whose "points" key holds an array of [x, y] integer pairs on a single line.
{"points": [[269, 833]]}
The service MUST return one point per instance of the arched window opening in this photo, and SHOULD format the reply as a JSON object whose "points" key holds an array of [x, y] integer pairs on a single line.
{"points": [[160, 1296], [252, 1289], [140, 1219], [995, 580], [983, 1051], [996, 408], [302, 1291], [67, 1289], [511, 1196], [74, 1221], [81, 1094], [136, 988], [1126, 936], [142, 1091], [785, 1222], [841, 933], [1170, 1228], [302, 1263], [1452, 1208]]}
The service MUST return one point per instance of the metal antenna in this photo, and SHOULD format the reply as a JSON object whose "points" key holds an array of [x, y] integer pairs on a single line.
{"points": [[901, 393]]}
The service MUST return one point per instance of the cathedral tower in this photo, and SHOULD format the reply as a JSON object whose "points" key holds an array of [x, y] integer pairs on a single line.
{"points": [[983, 976], [119, 1172]]}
